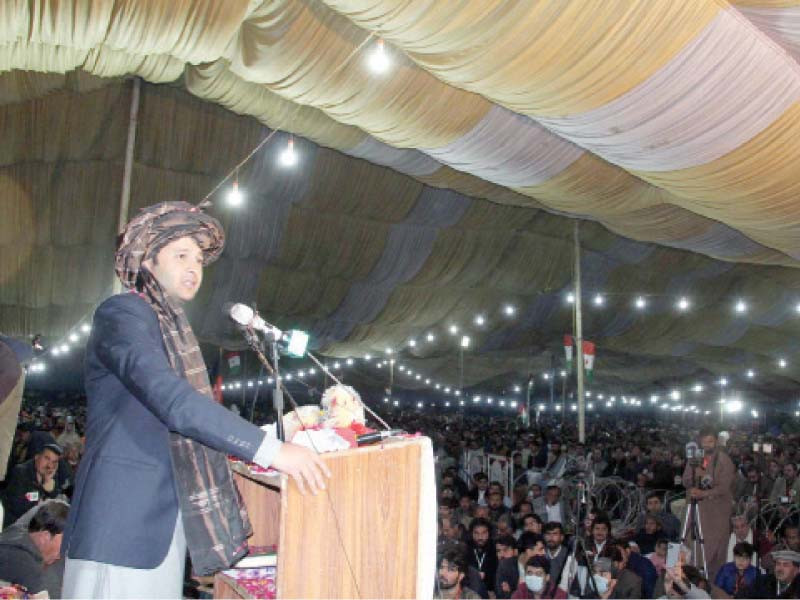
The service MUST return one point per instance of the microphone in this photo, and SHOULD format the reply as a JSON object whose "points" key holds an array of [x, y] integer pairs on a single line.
{"points": [[581, 490], [244, 316], [692, 450], [376, 436]]}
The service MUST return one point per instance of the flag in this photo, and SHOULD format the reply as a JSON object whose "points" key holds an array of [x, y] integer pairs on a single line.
{"points": [[568, 343], [588, 358], [234, 362]]}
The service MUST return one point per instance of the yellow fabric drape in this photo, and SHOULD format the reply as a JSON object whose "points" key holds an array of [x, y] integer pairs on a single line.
{"points": [[756, 186], [538, 58]]}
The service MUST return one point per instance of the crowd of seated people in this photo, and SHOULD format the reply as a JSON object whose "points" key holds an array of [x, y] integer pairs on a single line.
{"points": [[524, 511]]}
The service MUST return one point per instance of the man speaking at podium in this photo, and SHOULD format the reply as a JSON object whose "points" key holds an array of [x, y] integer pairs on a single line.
{"points": [[155, 479]]}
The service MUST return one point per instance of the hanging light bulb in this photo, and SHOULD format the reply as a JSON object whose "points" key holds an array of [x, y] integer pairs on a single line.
{"points": [[740, 307], [640, 303], [683, 304], [379, 59], [289, 156], [235, 196]]}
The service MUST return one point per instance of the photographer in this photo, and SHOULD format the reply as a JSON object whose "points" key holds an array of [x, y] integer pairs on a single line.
{"points": [[709, 479]]}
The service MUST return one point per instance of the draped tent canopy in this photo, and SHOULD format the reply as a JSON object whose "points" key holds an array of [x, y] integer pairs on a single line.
{"points": [[442, 189]]}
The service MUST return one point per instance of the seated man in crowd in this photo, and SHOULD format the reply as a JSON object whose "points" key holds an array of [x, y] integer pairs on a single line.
{"points": [[447, 506], [655, 508], [496, 506], [505, 525], [787, 486], [528, 546], [31, 482], [479, 493], [482, 553], [648, 536], [552, 507], [26, 552], [464, 511], [748, 486], [532, 523], [789, 539], [507, 574], [451, 574], [537, 582], [448, 530], [737, 575], [524, 507], [659, 556], [628, 584], [556, 550], [741, 532], [642, 567], [784, 583], [600, 541]]}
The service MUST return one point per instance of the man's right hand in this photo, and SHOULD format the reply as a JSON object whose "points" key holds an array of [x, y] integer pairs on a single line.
{"points": [[304, 466]]}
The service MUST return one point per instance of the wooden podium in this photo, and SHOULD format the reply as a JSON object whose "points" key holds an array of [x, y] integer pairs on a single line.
{"points": [[371, 534]]}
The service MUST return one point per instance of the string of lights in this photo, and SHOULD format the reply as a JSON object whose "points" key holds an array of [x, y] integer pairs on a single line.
{"points": [[378, 61]]}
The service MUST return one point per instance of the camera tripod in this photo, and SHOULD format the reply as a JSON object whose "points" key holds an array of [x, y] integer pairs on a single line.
{"points": [[579, 551], [694, 526]]}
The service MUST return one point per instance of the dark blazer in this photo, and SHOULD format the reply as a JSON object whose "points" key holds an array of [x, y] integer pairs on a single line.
{"points": [[629, 585], [507, 572], [125, 504], [645, 570]]}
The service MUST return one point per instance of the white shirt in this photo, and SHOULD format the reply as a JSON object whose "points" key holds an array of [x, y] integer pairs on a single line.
{"points": [[732, 541], [553, 512]]}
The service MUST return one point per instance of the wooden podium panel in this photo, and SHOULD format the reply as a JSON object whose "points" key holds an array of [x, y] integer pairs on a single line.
{"points": [[358, 538]]}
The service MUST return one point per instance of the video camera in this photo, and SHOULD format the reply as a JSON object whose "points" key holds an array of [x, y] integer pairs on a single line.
{"points": [[694, 453]]}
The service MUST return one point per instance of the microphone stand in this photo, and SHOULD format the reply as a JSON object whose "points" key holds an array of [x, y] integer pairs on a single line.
{"points": [[756, 529], [580, 543], [277, 393]]}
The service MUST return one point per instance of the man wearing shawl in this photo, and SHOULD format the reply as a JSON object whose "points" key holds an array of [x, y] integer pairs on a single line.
{"points": [[154, 479]]}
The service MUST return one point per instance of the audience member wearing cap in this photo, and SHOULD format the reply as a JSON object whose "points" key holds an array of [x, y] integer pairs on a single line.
{"points": [[157, 442], [784, 583], [31, 482]]}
